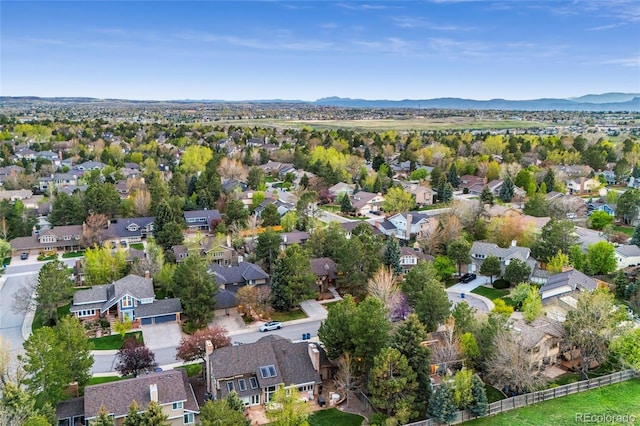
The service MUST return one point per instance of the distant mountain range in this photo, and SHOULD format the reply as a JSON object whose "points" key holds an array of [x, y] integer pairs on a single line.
{"points": [[613, 101]]}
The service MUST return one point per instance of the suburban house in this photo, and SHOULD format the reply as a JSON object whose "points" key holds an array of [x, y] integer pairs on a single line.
{"points": [[326, 272], [202, 220], [89, 165], [247, 197], [405, 226], [131, 297], [481, 250], [469, 183], [57, 181], [130, 230], [495, 186], [610, 177], [627, 255], [365, 202], [218, 253], [282, 207], [583, 185], [341, 188], [293, 237], [633, 182], [601, 206], [409, 257], [566, 283], [541, 339], [50, 156], [234, 277], [276, 168], [422, 195], [59, 238], [350, 226], [16, 194], [255, 370], [170, 389]]}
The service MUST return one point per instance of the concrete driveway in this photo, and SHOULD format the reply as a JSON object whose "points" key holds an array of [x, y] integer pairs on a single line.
{"points": [[162, 335]]}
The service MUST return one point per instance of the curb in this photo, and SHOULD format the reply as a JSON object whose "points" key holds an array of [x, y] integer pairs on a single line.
{"points": [[489, 303]]}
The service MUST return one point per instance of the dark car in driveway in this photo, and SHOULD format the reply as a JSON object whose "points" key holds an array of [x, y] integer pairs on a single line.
{"points": [[467, 278]]}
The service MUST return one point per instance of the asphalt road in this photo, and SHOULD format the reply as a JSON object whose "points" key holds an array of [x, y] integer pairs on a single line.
{"points": [[10, 321]]}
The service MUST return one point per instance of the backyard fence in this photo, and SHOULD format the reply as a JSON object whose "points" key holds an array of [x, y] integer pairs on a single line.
{"points": [[365, 401], [539, 396]]}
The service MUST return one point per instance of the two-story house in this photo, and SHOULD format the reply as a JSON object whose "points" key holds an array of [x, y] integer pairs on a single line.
{"points": [[202, 220], [255, 370], [294, 237], [481, 250], [57, 181], [627, 255], [126, 231], [211, 247], [59, 238], [406, 225], [131, 297], [582, 186], [233, 278], [364, 202], [422, 195], [341, 188], [541, 339], [601, 206], [326, 272], [169, 389], [409, 257]]}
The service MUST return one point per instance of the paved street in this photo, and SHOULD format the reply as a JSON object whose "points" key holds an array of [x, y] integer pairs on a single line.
{"points": [[10, 321]]}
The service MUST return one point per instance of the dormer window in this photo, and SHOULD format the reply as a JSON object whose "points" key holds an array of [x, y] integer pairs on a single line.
{"points": [[127, 301], [133, 227]]}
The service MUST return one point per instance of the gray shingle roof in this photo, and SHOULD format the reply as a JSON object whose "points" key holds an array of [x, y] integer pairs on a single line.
{"points": [[324, 266], [628, 250], [490, 249], [225, 299], [70, 408], [291, 361], [531, 334], [361, 199], [240, 274], [572, 278], [108, 294], [158, 307], [119, 228], [209, 214], [173, 386]]}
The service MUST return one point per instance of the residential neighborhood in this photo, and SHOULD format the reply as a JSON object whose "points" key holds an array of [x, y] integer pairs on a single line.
{"points": [[253, 270]]}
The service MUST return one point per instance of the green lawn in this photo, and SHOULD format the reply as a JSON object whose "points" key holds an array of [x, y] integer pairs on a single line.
{"points": [[288, 316], [331, 208], [619, 399], [490, 293], [624, 229], [567, 378], [334, 417], [192, 369], [6, 261], [114, 341], [70, 254], [137, 246], [42, 258], [493, 394], [105, 379], [39, 320]]}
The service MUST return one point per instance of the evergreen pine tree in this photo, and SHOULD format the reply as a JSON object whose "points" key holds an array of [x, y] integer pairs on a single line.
{"points": [[486, 196], [550, 180], [134, 418], [445, 194], [391, 255], [441, 405], [621, 284], [452, 176], [506, 192], [154, 415], [345, 204], [479, 403], [635, 239]]}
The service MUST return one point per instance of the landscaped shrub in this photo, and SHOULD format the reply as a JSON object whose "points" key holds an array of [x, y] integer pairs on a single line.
{"points": [[501, 284]]}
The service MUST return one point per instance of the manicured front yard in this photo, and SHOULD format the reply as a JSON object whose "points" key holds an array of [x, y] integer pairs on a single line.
{"points": [[334, 417], [137, 246], [288, 316], [624, 229], [490, 293], [113, 341], [71, 254], [615, 400], [192, 369]]}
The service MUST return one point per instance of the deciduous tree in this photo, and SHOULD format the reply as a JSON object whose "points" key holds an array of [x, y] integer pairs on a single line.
{"points": [[221, 413], [134, 358], [397, 200], [517, 271], [491, 266], [194, 347], [601, 258], [103, 266], [532, 305], [286, 408], [54, 288], [426, 295], [383, 285], [458, 250]]}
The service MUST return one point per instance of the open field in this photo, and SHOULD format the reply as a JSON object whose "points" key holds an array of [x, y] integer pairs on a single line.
{"points": [[449, 123], [619, 399]]}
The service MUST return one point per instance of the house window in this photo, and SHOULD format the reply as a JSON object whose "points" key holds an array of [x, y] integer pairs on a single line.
{"points": [[127, 301], [242, 385], [230, 386], [255, 399], [177, 406], [188, 419], [253, 382], [86, 313], [268, 371], [269, 393], [305, 388], [251, 282], [66, 237]]}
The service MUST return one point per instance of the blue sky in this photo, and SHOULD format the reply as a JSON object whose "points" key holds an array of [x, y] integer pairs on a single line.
{"points": [[311, 49]]}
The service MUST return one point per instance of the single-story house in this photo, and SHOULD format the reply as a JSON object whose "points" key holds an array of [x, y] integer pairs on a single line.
{"points": [[170, 389], [481, 250], [131, 297], [627, 255], [59, 238], [293, 237], [341, 188], [364, 202], [566, 283]]}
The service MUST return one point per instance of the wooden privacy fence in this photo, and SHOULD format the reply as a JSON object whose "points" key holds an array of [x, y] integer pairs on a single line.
{"points": [[539, 396]]}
